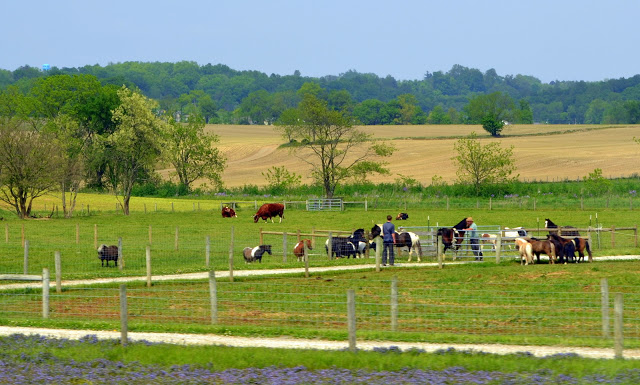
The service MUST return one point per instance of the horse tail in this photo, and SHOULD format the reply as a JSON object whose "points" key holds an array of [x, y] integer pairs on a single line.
{"points": [[586, 243]]}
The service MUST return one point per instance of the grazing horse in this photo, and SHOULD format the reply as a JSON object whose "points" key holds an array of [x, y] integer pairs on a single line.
{"points": [[565, 232], [539, 246], [525, 249], [255, 253], [451, 235], [298, 249]]}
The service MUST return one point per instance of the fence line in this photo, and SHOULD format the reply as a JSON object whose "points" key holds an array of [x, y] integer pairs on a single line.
{"points": [[426, 310]]}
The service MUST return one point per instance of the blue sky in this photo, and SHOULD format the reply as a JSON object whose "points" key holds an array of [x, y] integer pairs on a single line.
{"points": [[551, 40]]}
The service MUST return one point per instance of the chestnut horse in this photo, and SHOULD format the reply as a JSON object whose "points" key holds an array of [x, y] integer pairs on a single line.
{"points": [[298, 249]]}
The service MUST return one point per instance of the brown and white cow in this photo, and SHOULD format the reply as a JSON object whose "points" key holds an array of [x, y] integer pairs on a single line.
{"points": [[269, 210], [228, 212]]}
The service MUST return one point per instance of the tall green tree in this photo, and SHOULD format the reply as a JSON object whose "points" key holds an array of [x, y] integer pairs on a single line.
{"points": [[330, 144], [135, 146], [480, 165], [491, 111], [190, 150]]}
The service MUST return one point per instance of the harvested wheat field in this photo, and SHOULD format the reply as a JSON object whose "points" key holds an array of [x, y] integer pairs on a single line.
{"points": [[542, 152]]}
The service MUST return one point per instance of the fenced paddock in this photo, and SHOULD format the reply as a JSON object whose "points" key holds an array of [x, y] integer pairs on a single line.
{"points": [[30, 246], [426, 310]]}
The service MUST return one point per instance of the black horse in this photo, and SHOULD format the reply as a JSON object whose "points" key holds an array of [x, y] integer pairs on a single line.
{"points": [[565, 231], [452, 235]]}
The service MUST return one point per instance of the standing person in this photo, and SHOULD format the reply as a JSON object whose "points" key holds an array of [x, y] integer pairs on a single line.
{"points": [[472, 228], [388, 241]]}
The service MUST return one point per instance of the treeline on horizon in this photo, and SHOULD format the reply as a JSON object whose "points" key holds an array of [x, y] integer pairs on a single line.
{"points": [[227, 96]]}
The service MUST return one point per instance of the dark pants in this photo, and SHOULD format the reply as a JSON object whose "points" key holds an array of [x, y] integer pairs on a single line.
{"points": [[475, 246], [387, 246]]}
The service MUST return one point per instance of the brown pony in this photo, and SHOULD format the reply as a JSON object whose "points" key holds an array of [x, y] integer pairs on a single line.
{"points": [[539, 246], [298, 249]]}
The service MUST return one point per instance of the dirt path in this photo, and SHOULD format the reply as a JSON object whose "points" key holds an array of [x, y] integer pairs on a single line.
{"points": [[293, 343]]}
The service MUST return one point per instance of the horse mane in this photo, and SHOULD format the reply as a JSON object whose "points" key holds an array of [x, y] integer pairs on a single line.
{"points": [[550, 224], [461, 225]]}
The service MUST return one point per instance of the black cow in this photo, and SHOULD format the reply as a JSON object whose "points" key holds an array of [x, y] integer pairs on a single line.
{"points": [[340, 247], [108, 253]]}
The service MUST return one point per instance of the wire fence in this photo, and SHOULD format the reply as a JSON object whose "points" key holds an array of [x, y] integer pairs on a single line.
{"points": [[29, 247], [426, 310]]}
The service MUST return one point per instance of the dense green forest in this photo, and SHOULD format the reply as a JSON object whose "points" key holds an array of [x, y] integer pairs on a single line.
{"points": [[225, 95]]}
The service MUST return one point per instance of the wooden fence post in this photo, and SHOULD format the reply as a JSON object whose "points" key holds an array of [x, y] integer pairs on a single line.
{"points": [[58, 267], [329, 247], [394, 303], [150, 237], [45, 293], [207, 251], [439, 252], [351, 318], [284, 247], [120, 258], [213, 296], [306, 260], [617, 325], [231, 255], [26, 257], [177, 239], [124, 322], [613, 236], [604, 304], [379, 247], [148, 260], [498, 245]]}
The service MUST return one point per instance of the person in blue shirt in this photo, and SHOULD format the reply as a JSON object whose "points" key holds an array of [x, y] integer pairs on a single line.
{"points": [[474, 240], [388, 241]]}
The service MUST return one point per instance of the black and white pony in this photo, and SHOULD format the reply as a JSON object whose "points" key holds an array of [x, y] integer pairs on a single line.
{"points": [[406, 239], [255, 253]]}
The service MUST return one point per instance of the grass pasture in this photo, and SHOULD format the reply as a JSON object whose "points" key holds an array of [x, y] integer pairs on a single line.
{"points": [[75, 238], [485, 302]]}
